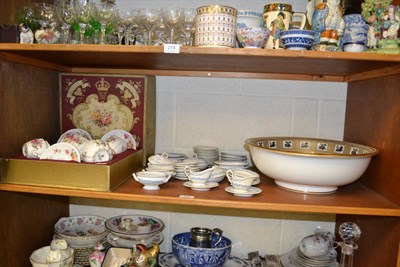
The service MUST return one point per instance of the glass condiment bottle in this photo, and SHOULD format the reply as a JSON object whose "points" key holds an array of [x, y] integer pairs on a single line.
{"points": [[349, 232]]}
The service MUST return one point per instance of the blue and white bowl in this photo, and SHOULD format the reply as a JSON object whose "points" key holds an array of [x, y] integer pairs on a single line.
{"points": [[296, 39], [200, 257]]}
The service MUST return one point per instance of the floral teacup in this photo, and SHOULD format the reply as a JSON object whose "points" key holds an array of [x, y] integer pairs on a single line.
{"points": [[34, 148], [96, 151]]}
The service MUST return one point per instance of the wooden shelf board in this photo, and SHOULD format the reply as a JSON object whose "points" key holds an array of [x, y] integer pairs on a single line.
{"points": [[204, 61], [351, 199]]}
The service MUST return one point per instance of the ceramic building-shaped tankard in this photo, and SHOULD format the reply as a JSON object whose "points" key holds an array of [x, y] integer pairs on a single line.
{"points": [[326, 18]]}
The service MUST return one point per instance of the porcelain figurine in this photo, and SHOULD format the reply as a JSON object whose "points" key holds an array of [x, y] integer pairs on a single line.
{"points": [[144, 257], [384, 22], [26, 35], [326, 18], [97, 257]]}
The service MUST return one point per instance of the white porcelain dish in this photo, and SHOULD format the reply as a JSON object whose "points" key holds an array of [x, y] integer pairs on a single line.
{"points": [[309, 165], [62, 151], [81, 230], [117, 241], [200, 187], [250, 192], [115, 226]]}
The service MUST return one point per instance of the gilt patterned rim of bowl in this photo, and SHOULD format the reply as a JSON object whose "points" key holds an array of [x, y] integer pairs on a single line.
{"points": [[217, 9], [312, 147]]}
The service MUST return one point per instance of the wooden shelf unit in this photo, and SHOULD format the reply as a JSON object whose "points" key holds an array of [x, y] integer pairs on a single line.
{"points": [[372, 118]]}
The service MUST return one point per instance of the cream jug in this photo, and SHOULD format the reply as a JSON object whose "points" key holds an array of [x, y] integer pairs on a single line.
{"points": [[279, 17]]}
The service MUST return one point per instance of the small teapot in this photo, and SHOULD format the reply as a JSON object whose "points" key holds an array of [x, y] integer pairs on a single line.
{"points": [[205, 238]]}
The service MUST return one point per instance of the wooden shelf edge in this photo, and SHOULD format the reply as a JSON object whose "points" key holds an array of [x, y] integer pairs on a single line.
{"points": [[233, 203], [349, 66], [214, 74], [202, 50]]}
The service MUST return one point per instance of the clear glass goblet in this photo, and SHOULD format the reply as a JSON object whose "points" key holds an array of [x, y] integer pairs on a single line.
{"points": [[172, 18], [148, 19], [105, 12], [66, 16], [83, 14]]}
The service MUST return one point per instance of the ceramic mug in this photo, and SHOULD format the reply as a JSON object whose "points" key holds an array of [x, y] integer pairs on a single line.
{"points": [[202, 237], [355, 31], [34, 148], [279, 17]]}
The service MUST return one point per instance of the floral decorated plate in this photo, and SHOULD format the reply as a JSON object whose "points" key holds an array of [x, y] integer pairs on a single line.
{"points": [[62, 151], [81, 230], [169, 260], [127, 136], [136, 227], [73, 132]]}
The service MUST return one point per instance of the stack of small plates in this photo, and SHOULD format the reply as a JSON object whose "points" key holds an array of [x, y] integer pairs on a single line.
{"points": [[227, 156], [175, 156], [232, 165], [180, 168], [296, 258], [209, 153]]}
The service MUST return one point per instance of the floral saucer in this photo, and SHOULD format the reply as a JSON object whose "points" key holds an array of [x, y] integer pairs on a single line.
{"points": [[127, 136], [62, 151], [250, 192], [200, 187], [169, 260]]}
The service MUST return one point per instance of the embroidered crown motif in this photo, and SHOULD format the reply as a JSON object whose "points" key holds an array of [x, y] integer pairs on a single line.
{"points": [[102, 87]]}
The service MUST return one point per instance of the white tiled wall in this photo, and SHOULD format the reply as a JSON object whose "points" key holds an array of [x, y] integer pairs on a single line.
{"points": [[223, 113]]}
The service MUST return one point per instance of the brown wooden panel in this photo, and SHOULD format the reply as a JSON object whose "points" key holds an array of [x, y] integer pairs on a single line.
{"points": [[29, 108], [378, 245], [373, 118], [27, 223]]}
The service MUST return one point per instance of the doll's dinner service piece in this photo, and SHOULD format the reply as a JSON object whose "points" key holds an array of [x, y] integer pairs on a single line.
{"points": [[199, 186], [179, 168], [61, 151], [317, 245], [229, 165], [198, 177], [229, 156], [160, 160], [151, 180], [34, 148], [240, 183], [208, 153], [217, 175], [243, 173], [251, 191], [96, 151], [127, 136]]}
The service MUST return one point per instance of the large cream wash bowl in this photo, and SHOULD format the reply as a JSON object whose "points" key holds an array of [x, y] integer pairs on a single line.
{"points": [[310, 165]]}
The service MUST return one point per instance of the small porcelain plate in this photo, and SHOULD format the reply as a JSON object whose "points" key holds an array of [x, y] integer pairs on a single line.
{"points": [[200, 187], [169, 260], [127, 136], [286, 262], [117, 241], [62, 151], [250, 192], [81, 132]]}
